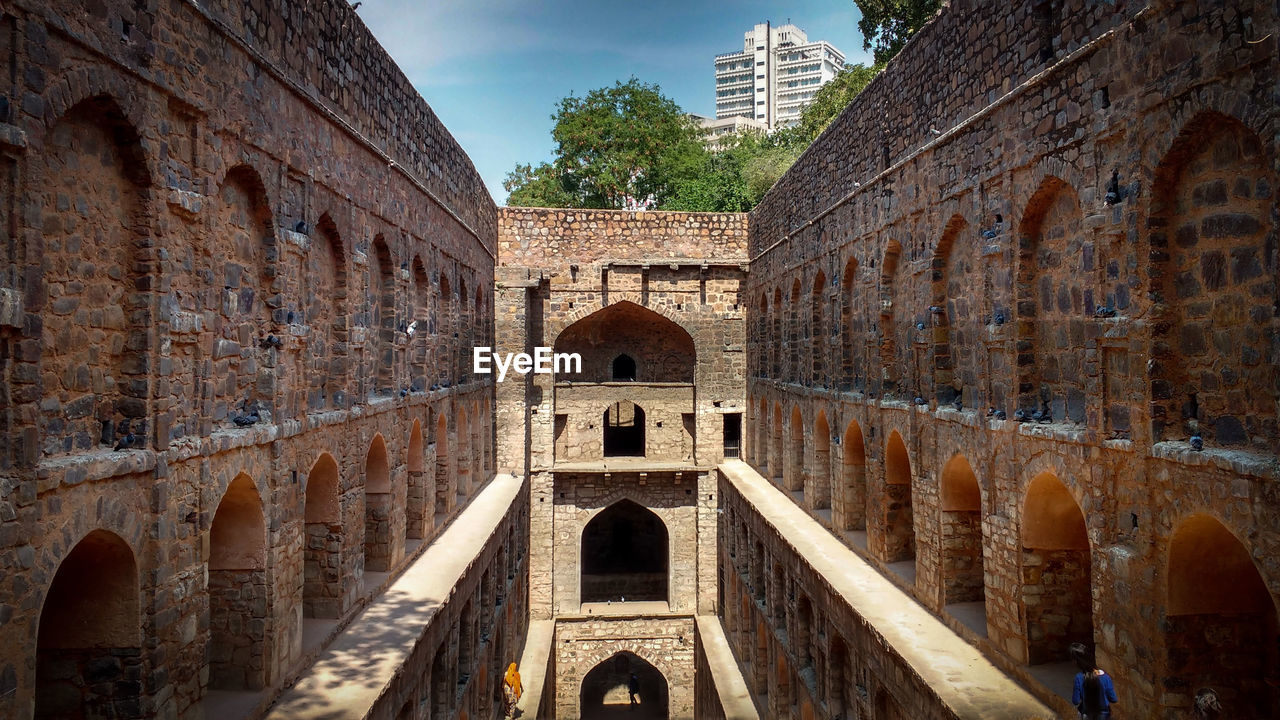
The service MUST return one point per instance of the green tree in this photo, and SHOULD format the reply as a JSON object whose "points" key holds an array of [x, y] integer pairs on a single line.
{"points": [[832, 98], [536, 187], [886, 25], [618, 147]]}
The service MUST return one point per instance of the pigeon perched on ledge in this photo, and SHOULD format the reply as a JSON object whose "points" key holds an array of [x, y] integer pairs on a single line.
{"points": [[126, 442], [246, 420]]}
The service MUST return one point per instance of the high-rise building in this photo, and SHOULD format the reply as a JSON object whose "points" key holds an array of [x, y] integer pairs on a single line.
{"points": [[775, 75]]}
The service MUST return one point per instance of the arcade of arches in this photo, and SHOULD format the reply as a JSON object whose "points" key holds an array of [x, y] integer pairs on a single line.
{"points": [[992, 370]]}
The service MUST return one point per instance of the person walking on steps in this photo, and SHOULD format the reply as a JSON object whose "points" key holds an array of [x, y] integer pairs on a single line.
{"points": [[633, 688], [511, 691], [1093, 693]]}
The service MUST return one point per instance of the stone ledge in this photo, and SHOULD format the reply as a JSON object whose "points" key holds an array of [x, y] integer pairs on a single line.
{"points": [[1239, 461]]}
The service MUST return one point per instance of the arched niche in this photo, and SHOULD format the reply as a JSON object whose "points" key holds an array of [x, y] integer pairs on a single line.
{"points": [[899, 521], [625, 555], [379, 508], [605, 690], [624, 430], [795, 474], [94, 323], [852, 510], [1058, 293], [961, 530], [1220, 627], [418, 496], [1056, 571], [322, 566], [624, 368], [821, 473], [89, 639], [382, 303], [325, 296], [1213, 215], [661, 348], [237, 577]]}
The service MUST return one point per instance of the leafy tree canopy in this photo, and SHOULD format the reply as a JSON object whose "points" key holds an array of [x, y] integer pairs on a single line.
{"points": [[886, 25], [627, 146], [832, 98]]}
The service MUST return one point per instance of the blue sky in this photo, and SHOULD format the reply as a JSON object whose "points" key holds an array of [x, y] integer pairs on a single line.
{"points": [[493, 70]]}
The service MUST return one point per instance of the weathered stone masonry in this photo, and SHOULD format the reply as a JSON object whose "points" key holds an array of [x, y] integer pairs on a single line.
{"points": [[1064, 212], [218, 211]]}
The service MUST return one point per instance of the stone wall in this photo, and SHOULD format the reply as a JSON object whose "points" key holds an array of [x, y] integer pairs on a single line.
{"points": [[666, 644], [1066, 236], [307, 251]]}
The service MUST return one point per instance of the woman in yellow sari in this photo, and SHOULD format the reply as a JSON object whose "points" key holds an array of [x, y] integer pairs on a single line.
{"points": [[511, 690]]}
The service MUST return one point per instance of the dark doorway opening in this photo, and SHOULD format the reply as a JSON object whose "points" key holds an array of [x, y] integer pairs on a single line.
{"points": [[624, 555], [732, 435], [624, 368], [608, 690], [624, 430]]}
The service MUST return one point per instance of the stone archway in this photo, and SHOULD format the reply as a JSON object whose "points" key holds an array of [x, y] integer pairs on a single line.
{"points": [[1220, 627], [323, 540], [1056, 571], [238, 590], [88, 648], [607, 690], [625, 555]]}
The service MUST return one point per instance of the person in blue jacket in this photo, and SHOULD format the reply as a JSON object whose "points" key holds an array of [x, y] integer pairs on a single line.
{"points": [[1093, 693]]}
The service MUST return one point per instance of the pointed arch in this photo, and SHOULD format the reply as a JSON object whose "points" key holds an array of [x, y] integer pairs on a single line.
{"points": [[820, 475], [94, 322], [899, 519], [1213, 222], [961, 533], [1057, 295], [382, 322], [625, 555], [954, 315], [322, 553], [819, 332], [445, 481], [379, 508], [1220, 627], [850, 324], [89, 639], [795, 471], [660, 347], [419, 496], [605, 690], [779, 340], [851, 509], [325, 290], [1056, 571], [776, 451], [890, 365], [237, 576], [795, 333]]}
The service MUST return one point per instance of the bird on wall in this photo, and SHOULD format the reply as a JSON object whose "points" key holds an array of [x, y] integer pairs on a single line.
{"points": [[126, 442], [251, 418]]}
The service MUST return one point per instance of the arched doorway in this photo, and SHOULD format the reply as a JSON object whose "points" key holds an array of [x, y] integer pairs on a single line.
{"points": [[624, 430], [852, 509], [443, 491], [624, 368], [607, 690], [1220, 624], [795, 476], [237, 579], [322, 554], [624, 555], [378, 507], [88, 648], [417, 499], [899, 523], [963, 586], [821, 473], [1056, 571]]}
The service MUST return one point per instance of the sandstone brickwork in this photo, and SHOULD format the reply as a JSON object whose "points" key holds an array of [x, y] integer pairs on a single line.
{"points": [[217, 212], [993, 303]]}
